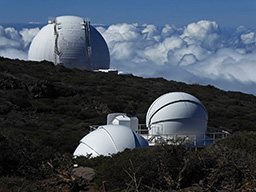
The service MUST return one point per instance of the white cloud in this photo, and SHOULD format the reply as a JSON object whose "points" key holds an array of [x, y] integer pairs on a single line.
{"points": [[198, 53], [13, 53], [28, 35], [248, 38], [229, 65], [14, 44], [204, 33]]}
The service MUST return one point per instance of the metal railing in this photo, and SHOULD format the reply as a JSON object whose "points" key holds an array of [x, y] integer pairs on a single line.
{"points": [[190, 140]]}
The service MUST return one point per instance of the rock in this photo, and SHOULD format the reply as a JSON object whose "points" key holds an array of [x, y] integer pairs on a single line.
{"points": [[83, 175]]}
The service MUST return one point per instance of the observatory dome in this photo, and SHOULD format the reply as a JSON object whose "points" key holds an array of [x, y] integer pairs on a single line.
{"points": [[177, 113], [108, 140], [72, 42]]}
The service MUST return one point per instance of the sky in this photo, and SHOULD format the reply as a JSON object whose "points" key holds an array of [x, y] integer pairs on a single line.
{"points": [[192, 41], [228, 13]]}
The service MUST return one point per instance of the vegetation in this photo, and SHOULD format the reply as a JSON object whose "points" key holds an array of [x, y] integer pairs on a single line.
{"points": [[169, 168], [46, 109]]}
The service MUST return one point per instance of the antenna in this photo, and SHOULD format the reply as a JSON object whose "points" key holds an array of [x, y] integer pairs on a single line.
{"points": [[51, 20]]}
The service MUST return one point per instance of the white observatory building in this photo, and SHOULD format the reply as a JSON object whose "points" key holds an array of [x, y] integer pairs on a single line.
{"points": [[174, 118], [176, 115], [70, 41], [119, 134]]}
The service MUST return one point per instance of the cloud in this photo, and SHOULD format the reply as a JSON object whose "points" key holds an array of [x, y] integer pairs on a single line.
{"points": [[203, 33], [28, 35], [14, 44], [200, 52]]}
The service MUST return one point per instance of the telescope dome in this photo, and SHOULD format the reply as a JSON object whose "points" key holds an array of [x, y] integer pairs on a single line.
{"points": [[108, 140], [177, 113], [72, 42]]}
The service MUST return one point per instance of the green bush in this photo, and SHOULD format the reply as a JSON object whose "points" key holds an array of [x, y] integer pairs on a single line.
{"points": [[139, 169], [241, 141], [228, 164]]}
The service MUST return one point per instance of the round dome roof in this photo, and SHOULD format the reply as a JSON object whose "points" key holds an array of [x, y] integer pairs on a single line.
{"points": [[72, 42], [109, 139], [177, 113]]}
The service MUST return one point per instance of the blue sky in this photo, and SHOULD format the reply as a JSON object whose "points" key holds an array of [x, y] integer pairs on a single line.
{"points": [[227, 13]]}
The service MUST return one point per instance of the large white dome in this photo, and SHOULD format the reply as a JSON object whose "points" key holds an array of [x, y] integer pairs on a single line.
{"points": [[72, 42], [108, 140], [177, 113]]}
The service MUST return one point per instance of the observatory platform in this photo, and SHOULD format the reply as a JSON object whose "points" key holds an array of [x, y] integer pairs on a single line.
{"points": [[189, 140]]}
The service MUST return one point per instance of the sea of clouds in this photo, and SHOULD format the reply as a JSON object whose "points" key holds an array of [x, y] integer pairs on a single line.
{"points": [[199, 53]]}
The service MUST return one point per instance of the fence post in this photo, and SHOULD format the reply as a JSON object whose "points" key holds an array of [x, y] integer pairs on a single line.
{"points": [[104, 185]]}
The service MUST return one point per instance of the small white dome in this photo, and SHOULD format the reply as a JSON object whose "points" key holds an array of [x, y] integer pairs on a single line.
{"points": [[177, 113], [108, 140], [72, 42]]}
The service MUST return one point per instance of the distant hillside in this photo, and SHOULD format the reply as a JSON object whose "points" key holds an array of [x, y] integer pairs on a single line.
{"points": [[40, 98]]}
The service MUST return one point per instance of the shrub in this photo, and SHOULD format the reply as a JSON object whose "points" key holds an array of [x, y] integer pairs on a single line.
{"points": [[226, 165], [139, 169]]}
